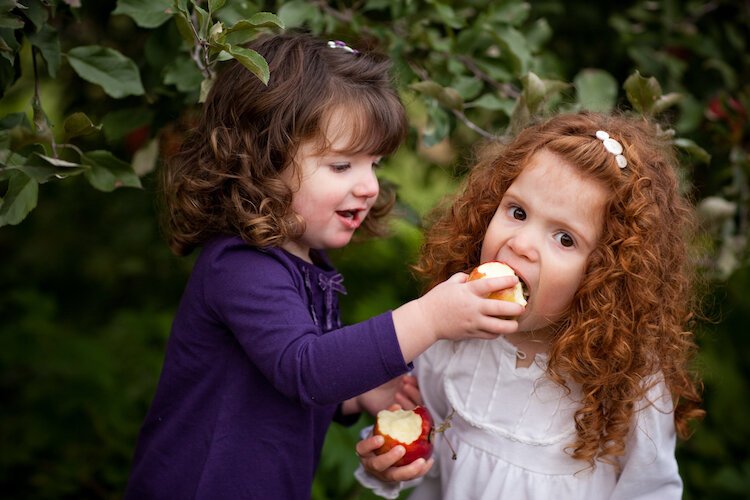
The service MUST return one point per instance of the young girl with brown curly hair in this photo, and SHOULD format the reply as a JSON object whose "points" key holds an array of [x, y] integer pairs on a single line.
{"points": [[258, 363], [584, 401]]}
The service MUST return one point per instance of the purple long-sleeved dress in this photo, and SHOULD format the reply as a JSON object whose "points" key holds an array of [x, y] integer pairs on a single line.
{"points": [[257, 365]]}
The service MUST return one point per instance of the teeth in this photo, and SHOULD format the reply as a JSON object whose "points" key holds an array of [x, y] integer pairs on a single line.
{"points": [[524, 289]]}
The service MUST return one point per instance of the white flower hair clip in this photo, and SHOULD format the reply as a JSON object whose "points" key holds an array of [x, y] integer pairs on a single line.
{"points": [[613, 147], [338, 44]]}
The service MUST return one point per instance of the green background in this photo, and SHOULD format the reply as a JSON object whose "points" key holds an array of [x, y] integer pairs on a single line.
{"points": [[89, 287]]}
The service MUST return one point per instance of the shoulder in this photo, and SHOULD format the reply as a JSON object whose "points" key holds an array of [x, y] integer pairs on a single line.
{"points": [[231, 261]]}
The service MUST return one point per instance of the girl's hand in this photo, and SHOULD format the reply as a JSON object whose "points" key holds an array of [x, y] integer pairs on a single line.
{"points": [[402, 391], [455, 310], [460, 309], [408, 396], [381, 466]]}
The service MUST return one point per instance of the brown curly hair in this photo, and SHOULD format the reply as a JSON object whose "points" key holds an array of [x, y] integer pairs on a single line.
{"points": [[225, 177], [628, 322]]}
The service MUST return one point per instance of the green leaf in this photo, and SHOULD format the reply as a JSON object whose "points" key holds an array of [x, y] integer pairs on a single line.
{"points": [[107, 172], [666, 101], [446, 96], [206, 86], [37, 13], [533, 91], [145, 13], [513, 12], [19, 199], [520, 116], [48, 43], [214, 5], [493, 103], [596, 90], [297, 13], [9, 46], [10, 21], [692, 149], [78, 124], [447, 15], [515, 47], [245, 30], [184, 28], [183, 74], [437, 128], [252, 61], [204, 20], [642, 92], [43, 168], [118, 75]]}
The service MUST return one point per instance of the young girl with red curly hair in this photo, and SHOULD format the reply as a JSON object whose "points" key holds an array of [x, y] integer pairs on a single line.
{"points": [[585, 399], [258, 363]]}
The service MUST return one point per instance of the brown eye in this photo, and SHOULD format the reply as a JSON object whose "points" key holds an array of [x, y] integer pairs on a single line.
{"points": [[518, 213], [565, 240]]}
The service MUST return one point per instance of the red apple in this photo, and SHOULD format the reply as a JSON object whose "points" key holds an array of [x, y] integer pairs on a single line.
{"points": [[494, 269], [411, 429]]}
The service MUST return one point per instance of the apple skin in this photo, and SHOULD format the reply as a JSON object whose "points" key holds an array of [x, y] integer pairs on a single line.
{"points": [[510, 294], [420, 448]]}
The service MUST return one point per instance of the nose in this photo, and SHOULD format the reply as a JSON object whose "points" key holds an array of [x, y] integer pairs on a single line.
{"points": [[367, 185], [524, 243]]}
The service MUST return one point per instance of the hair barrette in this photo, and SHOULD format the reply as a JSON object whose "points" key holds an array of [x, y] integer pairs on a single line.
{"points": [[338, 44], [613, 147]]}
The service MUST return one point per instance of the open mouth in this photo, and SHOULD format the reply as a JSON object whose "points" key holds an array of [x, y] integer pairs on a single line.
{"points": [[524, 288], [348, 214]]}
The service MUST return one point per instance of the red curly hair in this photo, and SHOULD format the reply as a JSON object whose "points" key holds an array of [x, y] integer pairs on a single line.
{"points": [[225, 178], [628, 322]]}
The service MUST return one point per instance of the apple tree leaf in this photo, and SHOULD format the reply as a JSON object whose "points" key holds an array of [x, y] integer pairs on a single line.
{"points": [[117, 74], [145, 13], [19, 199], [107, 172]]}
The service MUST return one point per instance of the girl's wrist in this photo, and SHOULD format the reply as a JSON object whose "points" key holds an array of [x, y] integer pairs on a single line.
{"points": [[414, 329], [351, 406]]}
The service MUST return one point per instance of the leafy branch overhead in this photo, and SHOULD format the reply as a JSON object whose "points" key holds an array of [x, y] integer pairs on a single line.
{"points": [[468, 71], [36, 152]]}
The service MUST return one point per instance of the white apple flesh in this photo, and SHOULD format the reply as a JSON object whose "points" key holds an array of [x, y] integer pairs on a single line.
{"points": [[494, 269]]}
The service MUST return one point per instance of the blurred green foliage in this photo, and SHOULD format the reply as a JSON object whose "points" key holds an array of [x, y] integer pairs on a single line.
{"points": [[89, 287]]}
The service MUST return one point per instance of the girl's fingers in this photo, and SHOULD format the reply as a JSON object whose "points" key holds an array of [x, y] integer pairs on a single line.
{"points": [[457, 278], [485, 286], [417, 468], [385, 461], [369, 445]]}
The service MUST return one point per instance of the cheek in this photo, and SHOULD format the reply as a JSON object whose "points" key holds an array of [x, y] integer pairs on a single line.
{"points": [[492, 241], [561, 294]]}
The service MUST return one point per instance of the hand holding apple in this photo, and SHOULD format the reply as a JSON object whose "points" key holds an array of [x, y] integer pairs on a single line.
{"points": [[411, 429], [495, 269], [383, 465]]}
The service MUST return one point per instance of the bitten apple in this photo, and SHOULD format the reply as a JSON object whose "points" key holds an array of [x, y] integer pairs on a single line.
{"points": [[411, 429], [494, 269]]}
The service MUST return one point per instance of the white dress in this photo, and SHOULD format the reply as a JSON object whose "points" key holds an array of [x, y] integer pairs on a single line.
{"points": [[511, 427]]}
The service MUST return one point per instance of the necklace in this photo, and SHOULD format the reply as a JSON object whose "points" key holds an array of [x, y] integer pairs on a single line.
{"points": [[520, 354]]}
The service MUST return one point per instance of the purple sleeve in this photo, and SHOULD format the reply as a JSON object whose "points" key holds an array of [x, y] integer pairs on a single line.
{"points": [[260, 300]]}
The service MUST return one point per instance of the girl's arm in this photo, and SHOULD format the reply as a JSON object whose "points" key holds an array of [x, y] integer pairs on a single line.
{"points": [[257, 296], [402, 391], [649, 466]]}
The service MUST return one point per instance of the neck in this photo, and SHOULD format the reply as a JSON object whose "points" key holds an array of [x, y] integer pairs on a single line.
{"points": [[532, 342]]}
